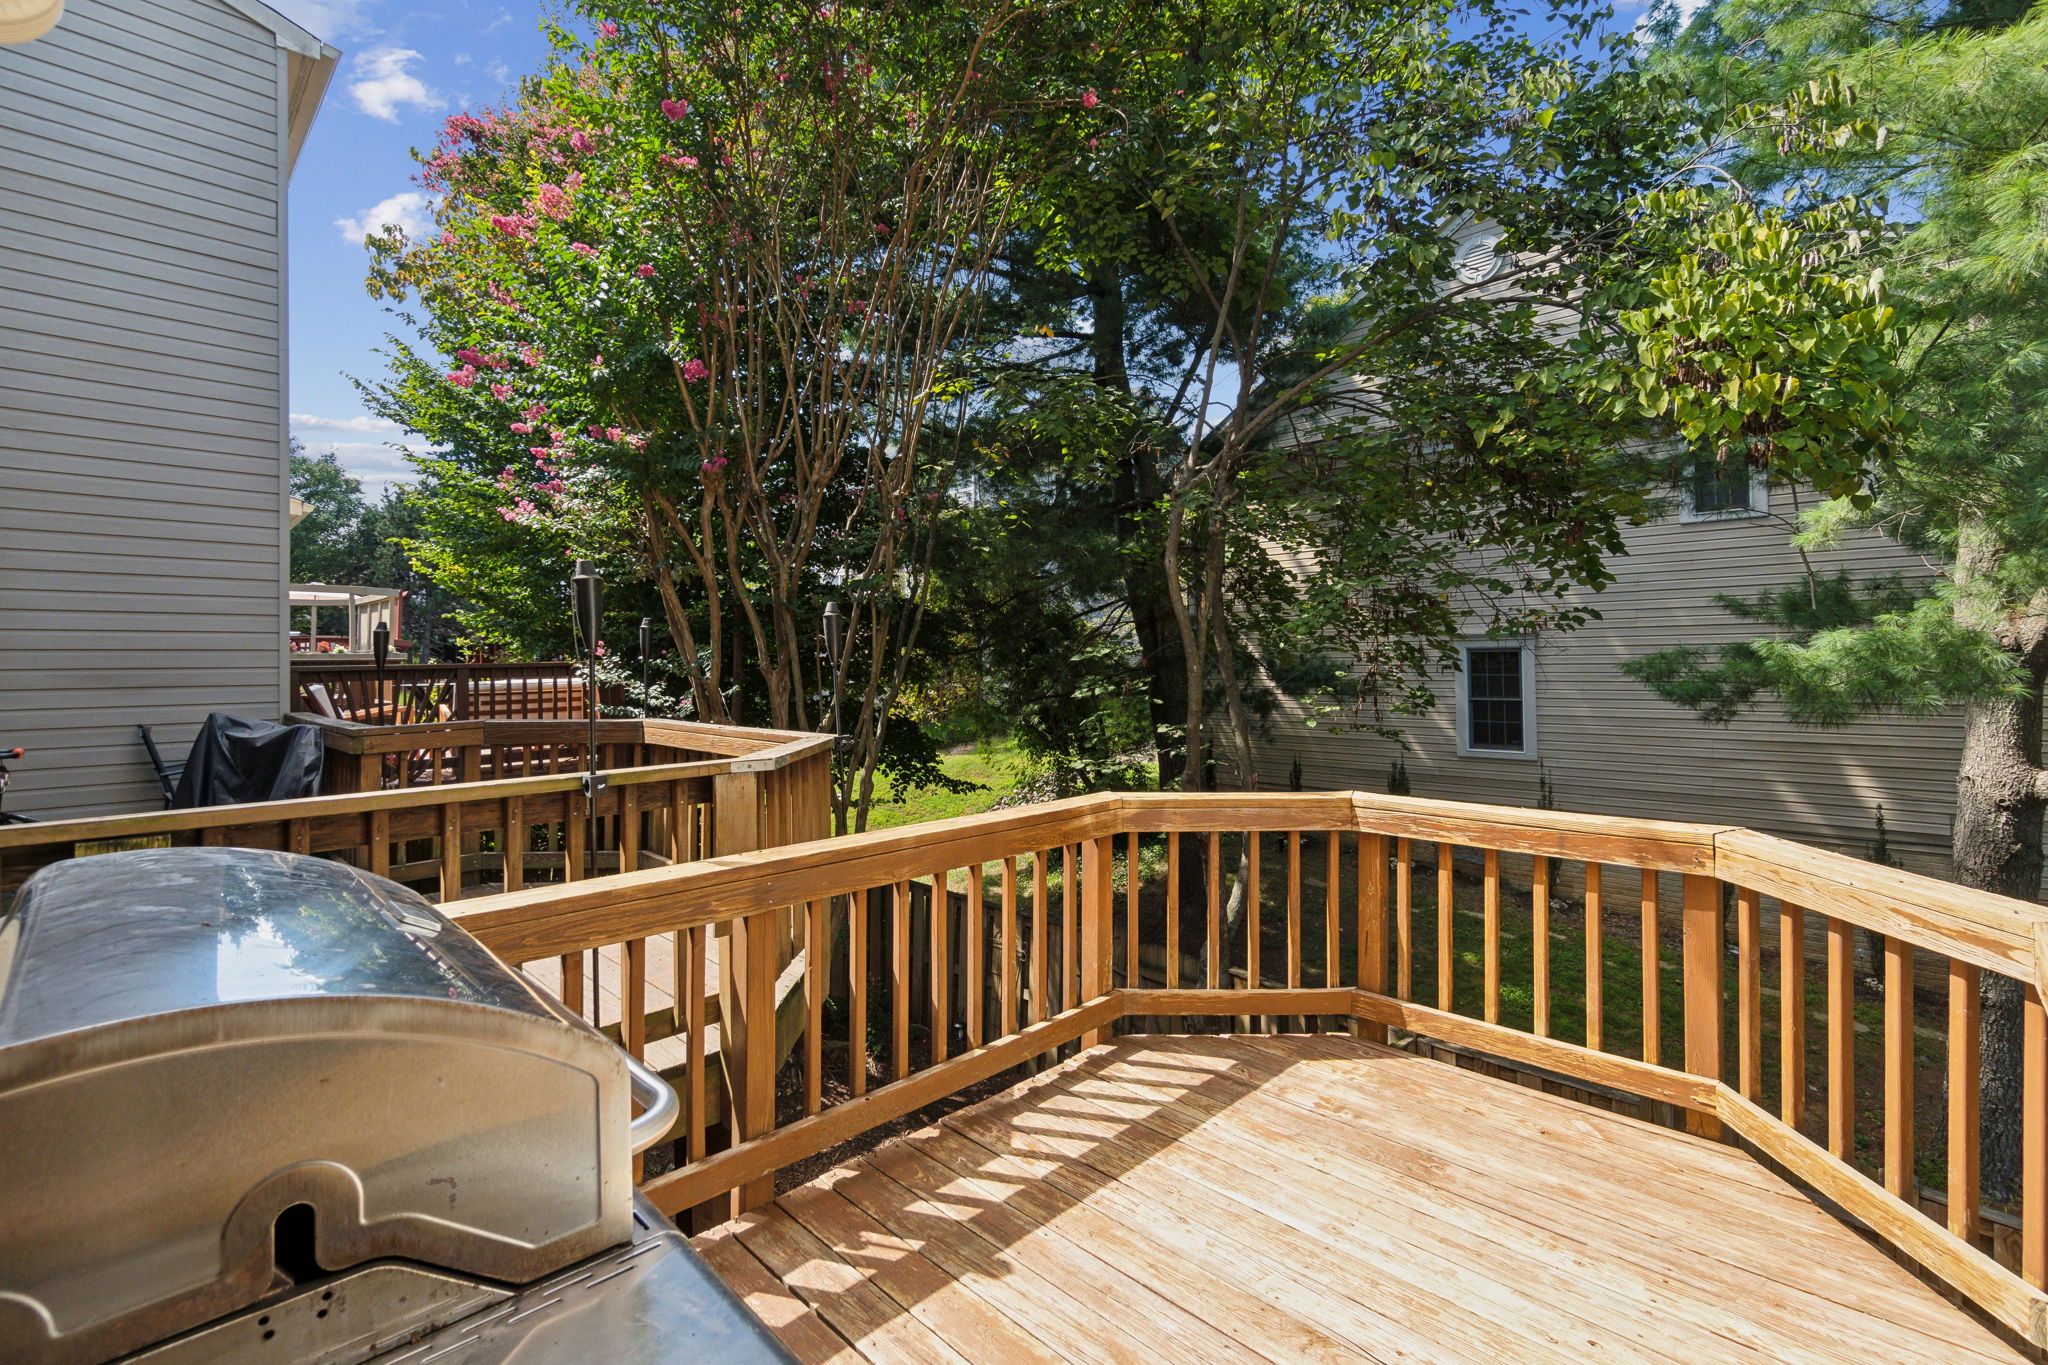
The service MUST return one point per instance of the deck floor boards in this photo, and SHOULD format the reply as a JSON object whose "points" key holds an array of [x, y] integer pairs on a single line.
{"points": [[1315, 1198]]}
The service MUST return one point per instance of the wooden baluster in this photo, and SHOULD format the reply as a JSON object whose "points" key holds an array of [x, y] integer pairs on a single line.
{"points": [[1492, 904], [942, 966], [1898, 1069], [2034, 1142], [380, 842], [299, 836], [1404, 918], [213, 836], [1040, 865], [1070, 926], [575, 829], [1652, 973], [899, 980], [516, 836], [698, 940], [1539, 930], [633, 997], [1132, 979], [629, 828], [1098, 928], [1596, 943], [1173, 911], [857, 925], [451, 853], [572, 982], [1963, 1092], [1705, 945], [680, 825], [817, 943], [1446, 936], [1749, 993], [1254, 975], [1791, 1014], [971, 978], [1294, 910], [1371, 930], [1841, 1040], [1333, 910], [1215, 981], [1008, 915]]}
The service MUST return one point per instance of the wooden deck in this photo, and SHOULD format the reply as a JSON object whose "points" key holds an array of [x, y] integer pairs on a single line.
{"points": [[1315, 1198]]}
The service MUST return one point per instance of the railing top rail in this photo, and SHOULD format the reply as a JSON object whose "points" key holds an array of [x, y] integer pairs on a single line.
{"points": [[358, 737], [1991, 931], [95, 827]]}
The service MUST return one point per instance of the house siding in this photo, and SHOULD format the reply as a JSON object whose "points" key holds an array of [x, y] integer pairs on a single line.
{"points": [[143, 524], [1606, 745]]}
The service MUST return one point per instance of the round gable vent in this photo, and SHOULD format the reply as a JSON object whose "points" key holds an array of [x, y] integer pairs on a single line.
{"points": [[1478, 259]]}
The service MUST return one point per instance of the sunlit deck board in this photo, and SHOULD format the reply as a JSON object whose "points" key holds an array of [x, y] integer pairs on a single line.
{"points": [[1315, 1198]]}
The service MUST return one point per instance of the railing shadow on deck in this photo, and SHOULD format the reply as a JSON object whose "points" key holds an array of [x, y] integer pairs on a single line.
{"points": [[1028, 963]]}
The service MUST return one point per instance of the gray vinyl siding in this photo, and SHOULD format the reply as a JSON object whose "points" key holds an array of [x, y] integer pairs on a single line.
{"points": [[142, 428], [1607, 746]]}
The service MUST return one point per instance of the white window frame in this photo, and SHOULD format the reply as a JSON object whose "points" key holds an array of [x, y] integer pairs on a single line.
{"points": [[1759, 500], [1528, 752]]}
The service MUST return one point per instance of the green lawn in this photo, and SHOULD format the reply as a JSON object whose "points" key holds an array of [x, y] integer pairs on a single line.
{"points": [[997, 766]]}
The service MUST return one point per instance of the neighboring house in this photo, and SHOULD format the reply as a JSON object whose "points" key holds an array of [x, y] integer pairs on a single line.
{"points": [[1555, 713], [145, 150]]}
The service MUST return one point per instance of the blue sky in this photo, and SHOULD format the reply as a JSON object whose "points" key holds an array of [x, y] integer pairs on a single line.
{"points": [[404, 68]]}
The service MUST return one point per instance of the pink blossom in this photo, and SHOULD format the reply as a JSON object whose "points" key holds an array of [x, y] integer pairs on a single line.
{"points": [[502, 392], [694, 370], [614, 434], [596, 433], [513, 224], [607, 29], [681, 163], [552, 202], [447, 237], [579, 141], [538, 452], [523, 428], [645, 272], [583, 248], [500, 294], [597, 362], [715, 463], [551, 486], [518, 510], [1089, 101], [534, 413], [463, 377], [531, 356], [469, 355], [675, 109]]}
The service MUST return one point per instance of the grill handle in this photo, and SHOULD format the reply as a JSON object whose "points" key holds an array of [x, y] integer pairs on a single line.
{"points": [[658, 1101]]}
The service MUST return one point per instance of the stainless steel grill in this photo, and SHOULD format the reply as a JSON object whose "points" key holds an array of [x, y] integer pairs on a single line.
{"points": [[265, 1106]]}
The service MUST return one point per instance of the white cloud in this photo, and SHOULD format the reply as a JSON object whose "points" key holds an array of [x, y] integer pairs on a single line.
{"points": [[386, 84], [407, 212], [328, 19], [463, 59], [314, 422], [378, 466]]}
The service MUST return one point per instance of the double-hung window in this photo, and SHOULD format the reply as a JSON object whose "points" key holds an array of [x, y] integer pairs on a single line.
{"points": [[1717, 490], [1497, 701]]}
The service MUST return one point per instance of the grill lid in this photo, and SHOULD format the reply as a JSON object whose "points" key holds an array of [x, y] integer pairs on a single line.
{"points": [[127, 935]]}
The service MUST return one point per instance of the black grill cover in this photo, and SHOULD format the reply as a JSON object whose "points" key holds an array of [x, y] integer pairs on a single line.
{"points": [[235, 759]]}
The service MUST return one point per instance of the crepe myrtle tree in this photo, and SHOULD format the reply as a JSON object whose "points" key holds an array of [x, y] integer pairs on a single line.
{"points": [[707, 294]]}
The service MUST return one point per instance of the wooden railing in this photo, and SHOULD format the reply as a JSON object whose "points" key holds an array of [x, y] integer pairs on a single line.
{"points": [[495, 805], [551, 690], [1591, 950]]}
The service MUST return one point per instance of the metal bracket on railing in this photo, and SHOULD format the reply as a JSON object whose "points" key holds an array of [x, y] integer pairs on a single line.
{"points": [[659, 1105], [593, 783]]}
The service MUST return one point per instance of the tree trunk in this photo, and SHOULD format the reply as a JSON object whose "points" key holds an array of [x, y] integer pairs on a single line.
{"points": [[1998, 848]]}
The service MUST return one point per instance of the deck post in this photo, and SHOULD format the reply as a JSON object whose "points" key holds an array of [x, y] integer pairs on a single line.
{"points": [[1098, 910], [746, 984], [1372, 927], [1705, 949]]}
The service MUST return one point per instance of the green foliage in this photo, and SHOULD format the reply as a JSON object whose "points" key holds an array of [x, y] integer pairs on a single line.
{"points": [[1848, 651]]}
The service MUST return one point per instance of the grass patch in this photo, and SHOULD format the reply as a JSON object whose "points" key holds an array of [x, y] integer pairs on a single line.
{"points": [[997, 766]]}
